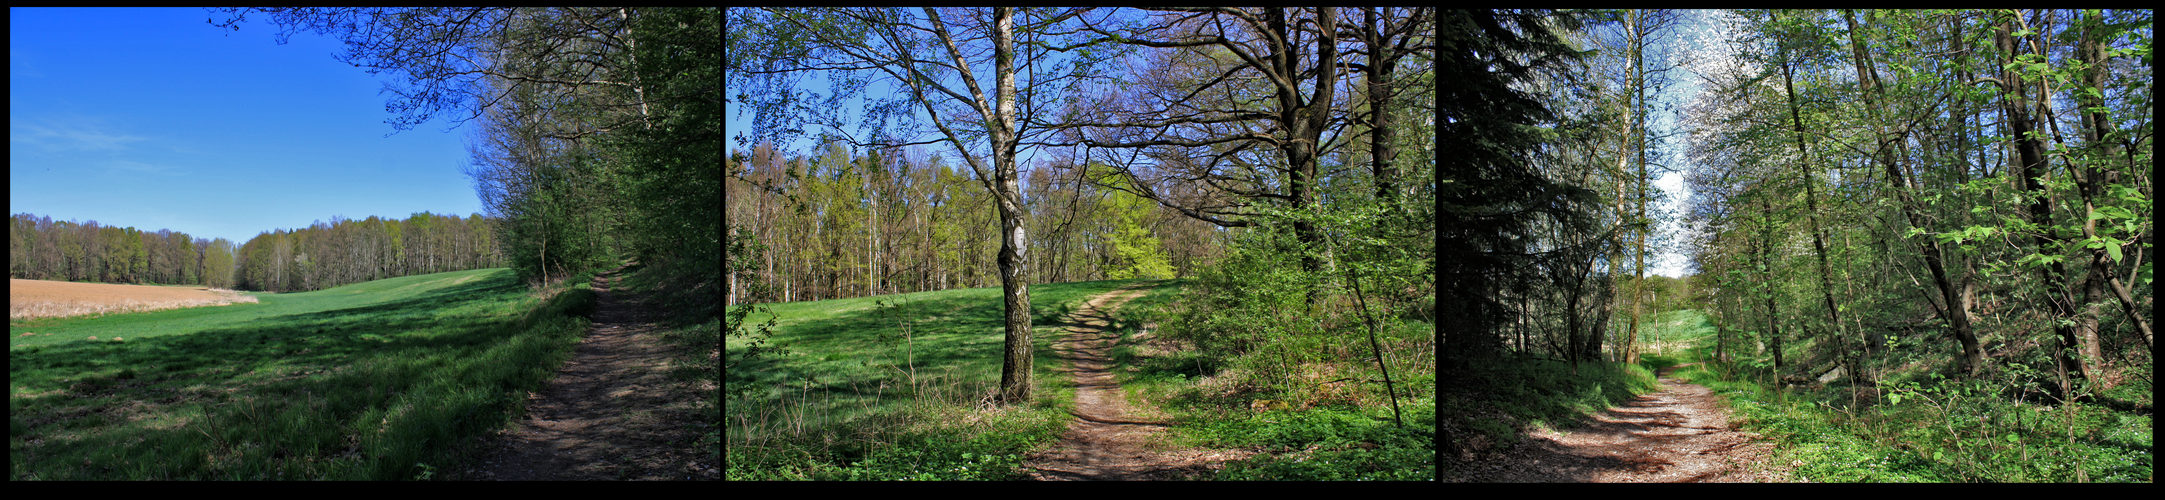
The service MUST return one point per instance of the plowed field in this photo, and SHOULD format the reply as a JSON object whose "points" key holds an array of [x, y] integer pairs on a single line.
{"points": [[51, 299]]}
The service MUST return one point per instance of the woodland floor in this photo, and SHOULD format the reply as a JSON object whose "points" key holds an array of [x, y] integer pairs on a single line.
{"points": [[1678, 435], [1104, 442], [611, 413]]}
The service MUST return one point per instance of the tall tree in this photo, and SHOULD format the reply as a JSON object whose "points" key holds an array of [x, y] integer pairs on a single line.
{"points": [[1488, 187], [926, 58], [1891, 154]]}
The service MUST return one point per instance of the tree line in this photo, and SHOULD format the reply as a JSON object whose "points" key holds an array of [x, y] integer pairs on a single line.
{"points": [[43, 249], [351, 251], [599, 127], [844, 225]]}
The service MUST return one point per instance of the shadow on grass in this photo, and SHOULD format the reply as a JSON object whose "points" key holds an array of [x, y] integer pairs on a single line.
{"points": [[956, 339], [297, 394]]}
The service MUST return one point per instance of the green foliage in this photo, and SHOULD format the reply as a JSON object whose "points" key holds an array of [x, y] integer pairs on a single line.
{"points": [[1136, 252], [40, 248], [1251, 299], [1933, 429], [1328, 445]]}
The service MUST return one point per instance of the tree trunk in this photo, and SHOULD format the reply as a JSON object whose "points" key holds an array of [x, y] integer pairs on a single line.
{"points": [[2030, 149], [1381, 133], [1958, 310], [1015, 369], [1811, 207], [1766, 262], [2098, 134]]}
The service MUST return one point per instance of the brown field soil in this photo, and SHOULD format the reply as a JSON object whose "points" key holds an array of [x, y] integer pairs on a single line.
{"points": [[52, 299]]}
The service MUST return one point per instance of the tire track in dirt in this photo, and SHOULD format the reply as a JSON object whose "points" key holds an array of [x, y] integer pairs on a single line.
{"points": [[1105, 442], [1680, 434], [611, 412]]}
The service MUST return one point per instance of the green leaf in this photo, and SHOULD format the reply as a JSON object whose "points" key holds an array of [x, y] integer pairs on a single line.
{"points": [[2113, 251]]}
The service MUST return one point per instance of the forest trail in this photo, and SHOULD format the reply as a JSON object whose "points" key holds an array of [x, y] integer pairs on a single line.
{"points": [[1680, 434], [1105, 442], [610, 413]]}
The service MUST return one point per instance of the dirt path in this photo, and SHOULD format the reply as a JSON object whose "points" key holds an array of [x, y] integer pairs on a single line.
{"points": [[1106, 441], [1678, 435], [610, 413]]}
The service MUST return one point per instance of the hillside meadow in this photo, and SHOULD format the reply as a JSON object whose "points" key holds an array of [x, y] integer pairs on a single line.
{"points": [[387, 379]]}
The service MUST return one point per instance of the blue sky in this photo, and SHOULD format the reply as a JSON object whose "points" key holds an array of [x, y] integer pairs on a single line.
{"points": [[155, 119]]}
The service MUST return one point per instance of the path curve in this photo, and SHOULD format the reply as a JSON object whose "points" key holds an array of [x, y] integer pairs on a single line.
{"points": [[1105, 441], [1680, 434]]}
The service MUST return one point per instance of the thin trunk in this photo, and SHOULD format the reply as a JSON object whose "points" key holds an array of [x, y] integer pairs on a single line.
{"points": [[1571, 313], [1958, 310], [1766, 262], [1811, 207], [1635, 117], [2099, 132], [2030, 150], [1592, 345], [631, 47]]}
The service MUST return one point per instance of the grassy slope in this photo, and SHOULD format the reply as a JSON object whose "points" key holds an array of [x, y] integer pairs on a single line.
{"points": [[377, 380], [840, 402], [269, 305]]}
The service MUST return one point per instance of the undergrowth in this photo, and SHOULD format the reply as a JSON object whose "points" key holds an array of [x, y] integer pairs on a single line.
{"points": [[1934, 429]]}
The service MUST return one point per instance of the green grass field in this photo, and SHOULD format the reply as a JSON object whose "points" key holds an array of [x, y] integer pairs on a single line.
{"points": [[840, 403], [379, 380]]}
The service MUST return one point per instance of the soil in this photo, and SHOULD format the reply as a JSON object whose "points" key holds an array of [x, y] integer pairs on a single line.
{"points": [[1107, 441], [611, 413], [1678, 435], [29, 299]]}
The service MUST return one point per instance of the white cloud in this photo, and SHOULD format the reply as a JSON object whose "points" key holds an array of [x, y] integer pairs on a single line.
{"points": [[136, 167], [75, 135]]}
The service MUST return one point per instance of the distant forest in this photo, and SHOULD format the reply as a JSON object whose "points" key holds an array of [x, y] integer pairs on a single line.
{"points": [[319, 256]]}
